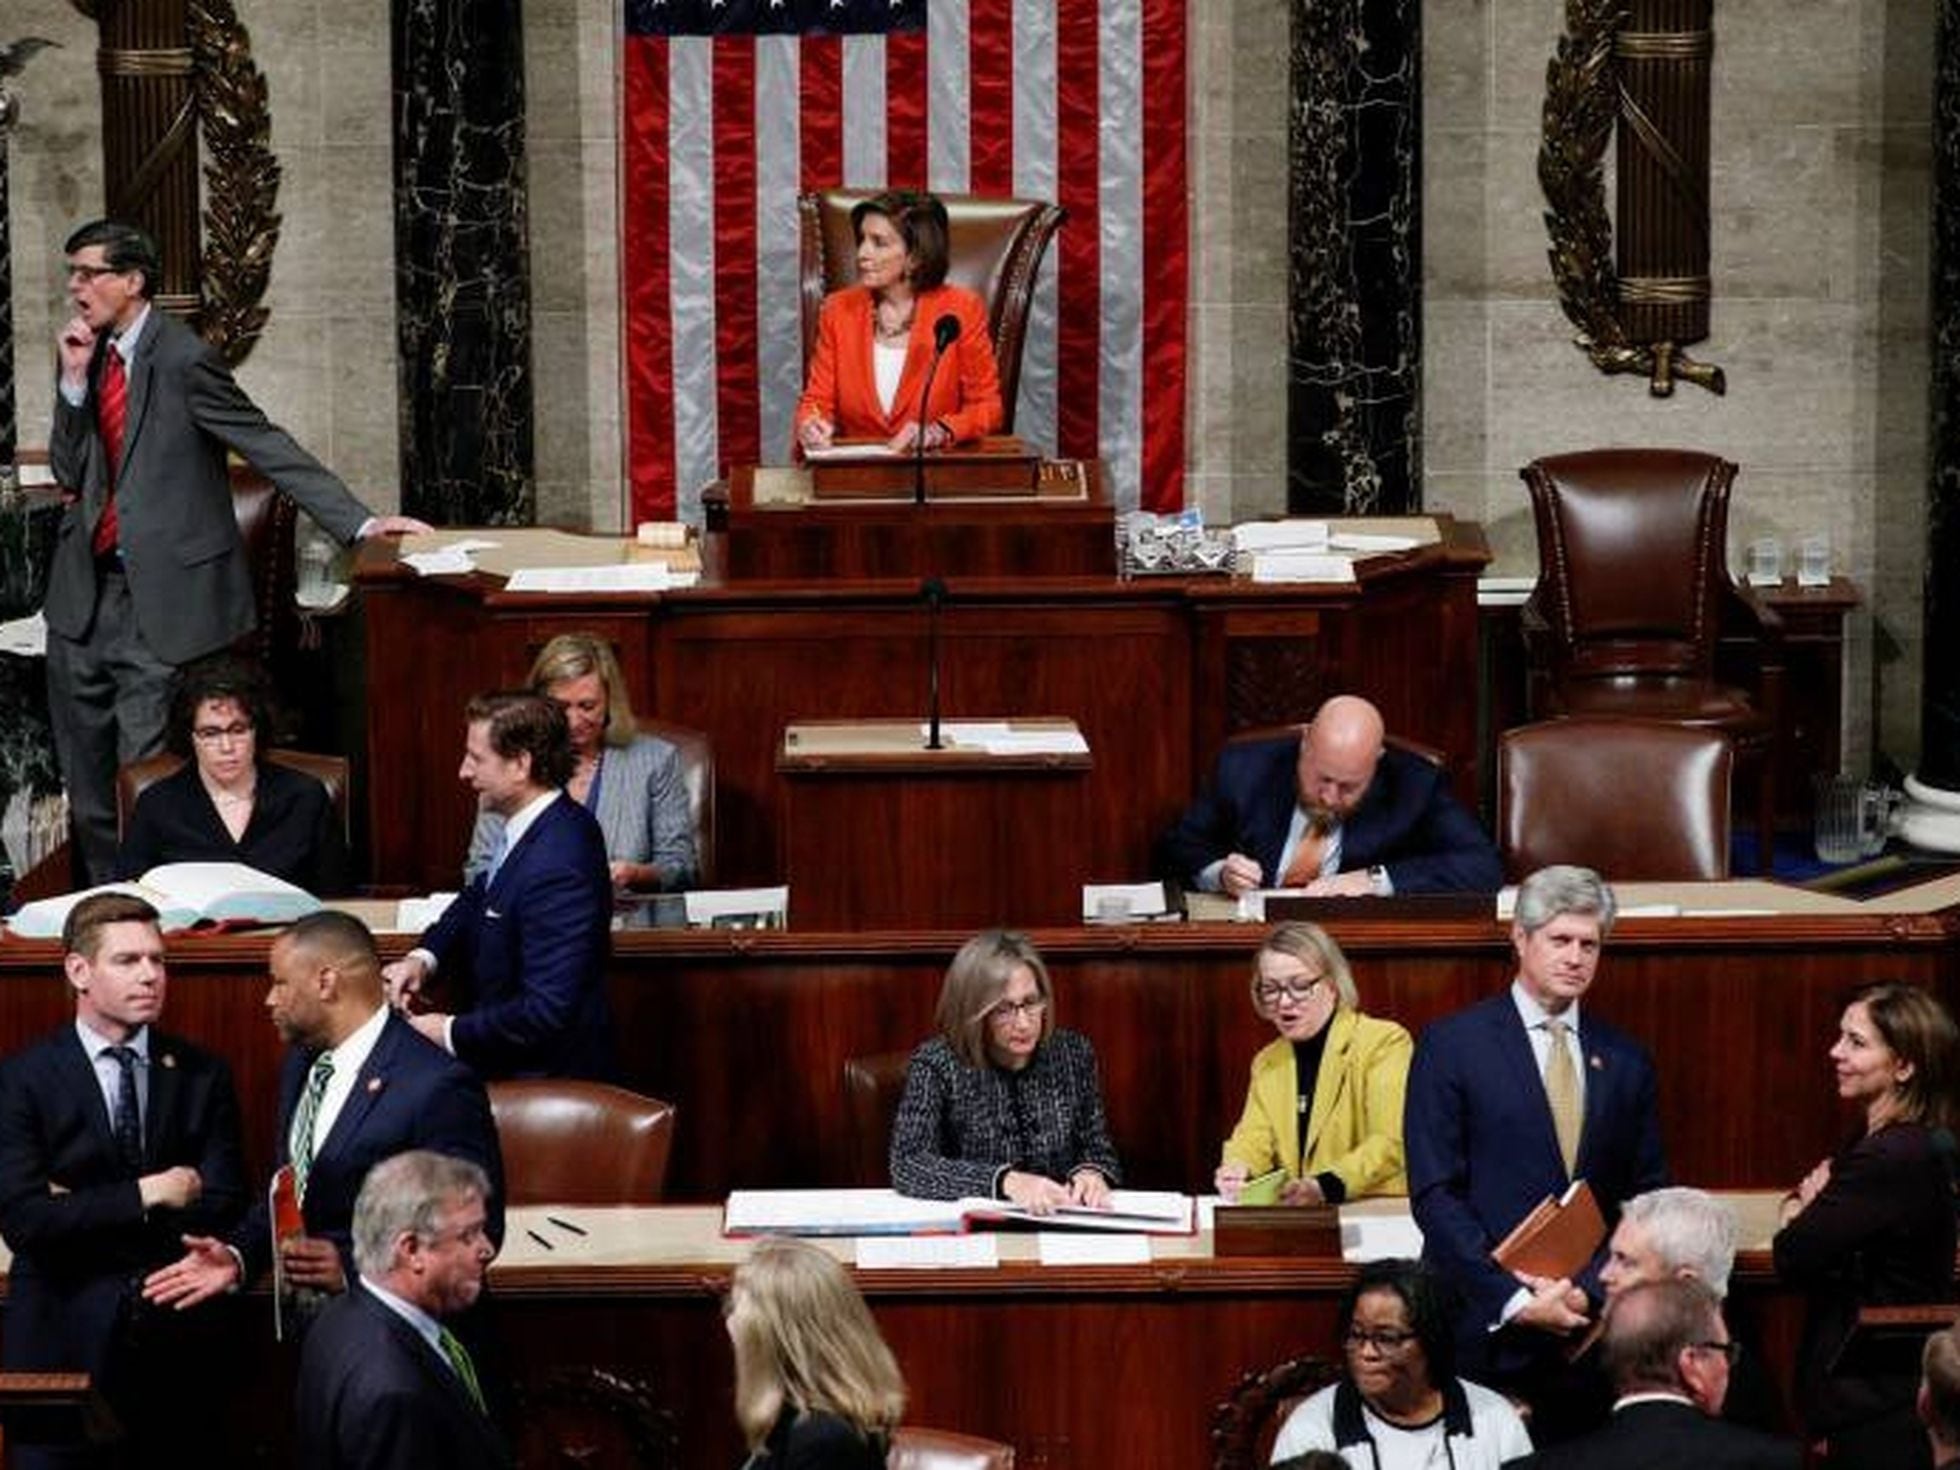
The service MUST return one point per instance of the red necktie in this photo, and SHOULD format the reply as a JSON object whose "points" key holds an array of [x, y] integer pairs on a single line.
{"points": [[111, 409]]}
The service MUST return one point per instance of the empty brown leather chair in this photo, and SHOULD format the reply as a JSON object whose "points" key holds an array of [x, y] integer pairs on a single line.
{"points": [[1633, 595], [137, 777], [581, 1143], [995, 246], [697, 757], [1244, 1426], [872, 1088], [940, 1449], [1634, 799]]}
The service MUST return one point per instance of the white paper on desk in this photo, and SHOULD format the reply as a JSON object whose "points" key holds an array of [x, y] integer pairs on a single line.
{"points": [[836, 1212], [413, 915], [1037, 742], [1300, 566], [928, 1252], [34, 476], [872, 449], [624, 576], [446, 561], [1271, 535], [1127, 900], [1380, 1237], [1369, 544], [1252, 903], [25, 637], [1059, 1248], [705, 905], [966, 732]]}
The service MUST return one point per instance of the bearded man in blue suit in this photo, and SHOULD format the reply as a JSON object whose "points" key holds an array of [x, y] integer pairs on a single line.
{"points": [[1335, 812], [524, 945], [1512, 1100]]}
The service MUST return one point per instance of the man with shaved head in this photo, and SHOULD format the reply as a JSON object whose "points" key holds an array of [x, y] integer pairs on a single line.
{"points": [[360, 1085], [1336, 812]]}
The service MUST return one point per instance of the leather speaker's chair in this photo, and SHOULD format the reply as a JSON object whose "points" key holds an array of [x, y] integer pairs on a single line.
{"points": [[872, 1088], [1637, 800], [995, 247], [940, 1449], [137, 777], [697, 756], [581, 1143], [1244, 1426], [589, 1418], [266, 520], [1415, 748], [1633, 595]]}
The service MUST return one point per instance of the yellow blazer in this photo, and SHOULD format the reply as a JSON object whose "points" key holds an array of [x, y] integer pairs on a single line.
{"points": [[1355, 1130]]}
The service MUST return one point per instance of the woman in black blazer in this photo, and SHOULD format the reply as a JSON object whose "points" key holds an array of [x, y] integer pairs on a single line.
{"points": [[1874, 1225], [815, 1386]]}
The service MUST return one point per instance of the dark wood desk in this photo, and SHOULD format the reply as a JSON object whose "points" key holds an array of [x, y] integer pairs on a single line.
{"points": [[747, 1033], [1156, 673]]}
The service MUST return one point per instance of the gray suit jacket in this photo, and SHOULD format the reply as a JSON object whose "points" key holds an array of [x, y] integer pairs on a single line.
{"points": [[642, 810], [181, 548]]}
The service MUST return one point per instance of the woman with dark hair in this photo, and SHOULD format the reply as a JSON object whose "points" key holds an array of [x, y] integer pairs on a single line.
{"points": [[1399, 1404], [1000, 1104], [816, 1388], [1873, 1224], [227, 804], [876, 340]]}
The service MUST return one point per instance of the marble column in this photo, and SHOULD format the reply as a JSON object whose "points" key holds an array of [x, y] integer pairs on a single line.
{"points": [[12, 58], [1354, 353], [463, 291], [1939, 760]]}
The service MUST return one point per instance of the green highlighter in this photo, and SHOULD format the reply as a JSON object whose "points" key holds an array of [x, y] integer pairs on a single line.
{"points": [[1264, 1190]]}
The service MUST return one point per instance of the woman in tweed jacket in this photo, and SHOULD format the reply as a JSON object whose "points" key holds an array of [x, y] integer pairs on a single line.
{"points": [[1000, 1104]]}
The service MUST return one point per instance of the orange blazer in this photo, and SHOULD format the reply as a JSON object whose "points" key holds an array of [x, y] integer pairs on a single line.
{"points": [[843, 386]]}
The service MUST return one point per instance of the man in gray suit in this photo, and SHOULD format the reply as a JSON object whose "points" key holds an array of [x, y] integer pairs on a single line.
{"points": [[149, 569]]}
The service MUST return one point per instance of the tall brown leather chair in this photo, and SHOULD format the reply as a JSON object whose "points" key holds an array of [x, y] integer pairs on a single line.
{"points": [[266, 520], [1637, 800], [581, 1143], [872, 1088], [1633, 595], [940, 1449], [995, 246], [697, 757], [1244, 1426], [137, 777]]}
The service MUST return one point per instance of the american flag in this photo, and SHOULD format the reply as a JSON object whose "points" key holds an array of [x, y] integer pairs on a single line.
{"points": [[734, 107]]}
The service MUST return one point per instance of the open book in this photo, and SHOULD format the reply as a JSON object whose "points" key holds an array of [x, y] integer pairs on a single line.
{"points": [[184, 895], [886, 1212]]}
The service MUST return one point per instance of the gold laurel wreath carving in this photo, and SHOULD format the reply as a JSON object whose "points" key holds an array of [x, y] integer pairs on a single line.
{"points": [[1582, 102], [241, 180]]}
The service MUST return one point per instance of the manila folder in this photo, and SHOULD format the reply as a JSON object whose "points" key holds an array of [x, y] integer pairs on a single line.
{"points": [[1558, 1238]]}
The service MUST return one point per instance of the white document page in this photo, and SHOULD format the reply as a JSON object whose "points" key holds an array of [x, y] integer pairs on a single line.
{"points": [[1060, 1248], [928, 1252]]}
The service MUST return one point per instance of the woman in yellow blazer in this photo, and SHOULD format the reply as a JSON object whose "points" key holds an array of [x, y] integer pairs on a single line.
{"points": [[1338, 1135]]}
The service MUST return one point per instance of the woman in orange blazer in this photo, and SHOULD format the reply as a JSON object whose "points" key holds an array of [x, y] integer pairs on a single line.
{"points": [[875, 339]]}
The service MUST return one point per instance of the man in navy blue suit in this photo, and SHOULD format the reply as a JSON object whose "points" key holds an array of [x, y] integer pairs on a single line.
{"points": [[1335, 812], [114, 1139], [358, 1086], [383, 1384], [525, 943], [1512, 1100]]}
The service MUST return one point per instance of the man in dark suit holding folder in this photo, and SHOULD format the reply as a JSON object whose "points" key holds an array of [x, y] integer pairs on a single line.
{"points": [[1511, 1101]]}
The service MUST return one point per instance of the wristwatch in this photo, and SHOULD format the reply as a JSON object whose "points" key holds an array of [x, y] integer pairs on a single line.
{"points": [[1378, 877]]}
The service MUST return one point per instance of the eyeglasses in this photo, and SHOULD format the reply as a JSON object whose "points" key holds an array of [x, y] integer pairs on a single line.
{"points": [[1271, 993], [469, 1234], [1385, 1342], [219, 734], [1729, 1350], [79, 272], [1006, 1012]]}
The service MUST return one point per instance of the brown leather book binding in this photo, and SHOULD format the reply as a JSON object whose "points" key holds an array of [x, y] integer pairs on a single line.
{"points": [[1557, 1238]]}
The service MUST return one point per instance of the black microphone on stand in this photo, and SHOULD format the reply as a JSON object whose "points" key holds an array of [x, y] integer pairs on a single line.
{"points": [[934, 592], [945, 332]]}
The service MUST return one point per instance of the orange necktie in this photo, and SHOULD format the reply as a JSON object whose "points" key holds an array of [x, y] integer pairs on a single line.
{"points": [[1307, 858]]}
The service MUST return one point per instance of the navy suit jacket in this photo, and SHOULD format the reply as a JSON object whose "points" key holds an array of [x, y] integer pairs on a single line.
{"points": [[1482, 1151], [1666, 1432], [1407, 822], [79, 1255], [410, 1094], [528, 952], [373, 1395]]}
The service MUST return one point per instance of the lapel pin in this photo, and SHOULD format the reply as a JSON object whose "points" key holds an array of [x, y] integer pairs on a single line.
{"points": [[374, 1083], [170, 1059], [1598, 1062]]}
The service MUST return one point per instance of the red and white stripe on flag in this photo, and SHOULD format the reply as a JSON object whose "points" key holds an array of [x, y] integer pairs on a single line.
{"points": [[734, 107]]}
